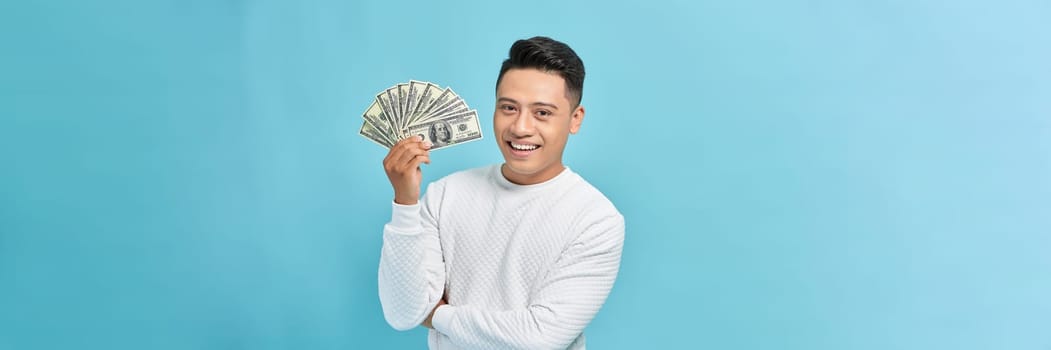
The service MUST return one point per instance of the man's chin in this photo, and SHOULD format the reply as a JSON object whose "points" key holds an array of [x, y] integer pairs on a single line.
{"points": [[515, 166]]}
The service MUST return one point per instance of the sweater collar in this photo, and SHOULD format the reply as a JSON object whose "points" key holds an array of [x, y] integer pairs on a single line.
{"points": [[507, 184]]}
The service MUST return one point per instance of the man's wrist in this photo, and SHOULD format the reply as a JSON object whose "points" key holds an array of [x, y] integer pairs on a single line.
{"points": [[429, 321], [441, 316], [405, 219], [406, 200]]}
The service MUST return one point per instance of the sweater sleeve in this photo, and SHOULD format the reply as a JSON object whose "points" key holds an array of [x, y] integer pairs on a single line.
{"points": [[568, 298], [411, 271]]}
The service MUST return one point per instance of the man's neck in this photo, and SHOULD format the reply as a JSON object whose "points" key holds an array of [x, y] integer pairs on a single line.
{"points": [[532, 179]]}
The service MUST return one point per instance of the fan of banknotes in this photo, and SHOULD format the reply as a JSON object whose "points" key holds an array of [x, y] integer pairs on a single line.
{"points": [[420, 108]]}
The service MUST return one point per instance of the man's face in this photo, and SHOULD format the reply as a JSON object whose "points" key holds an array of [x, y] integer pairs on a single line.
{"points": [[441, 131], [532, 121]]}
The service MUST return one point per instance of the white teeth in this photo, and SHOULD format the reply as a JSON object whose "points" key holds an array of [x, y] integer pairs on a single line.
{"points": [[523, 147]]}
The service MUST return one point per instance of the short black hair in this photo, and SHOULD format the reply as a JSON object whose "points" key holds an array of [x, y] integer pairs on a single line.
{"points": [[548, 55]]}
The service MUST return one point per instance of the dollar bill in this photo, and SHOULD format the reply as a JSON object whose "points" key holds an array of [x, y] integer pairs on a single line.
{"points": [[372, 134], [378, 120], [416, 91], [387, 102], [449, 131], [444, 98], [454, 107], [403, 99], [430, 93]]}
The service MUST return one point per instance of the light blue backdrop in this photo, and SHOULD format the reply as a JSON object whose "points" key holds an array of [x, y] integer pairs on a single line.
{"points": [[794, 174]]}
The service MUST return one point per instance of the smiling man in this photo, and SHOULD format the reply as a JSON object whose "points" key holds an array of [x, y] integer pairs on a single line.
{"points": [[520, 255]]}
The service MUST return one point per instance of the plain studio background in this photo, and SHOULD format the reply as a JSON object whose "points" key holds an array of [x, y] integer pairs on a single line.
{"points": [[794, 174]]}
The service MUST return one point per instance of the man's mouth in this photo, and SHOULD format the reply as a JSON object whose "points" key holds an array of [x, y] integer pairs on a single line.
{"points": [[522, 149]]}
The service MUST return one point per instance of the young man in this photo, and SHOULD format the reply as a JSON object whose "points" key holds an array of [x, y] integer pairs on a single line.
{"points": [[514, 256]]}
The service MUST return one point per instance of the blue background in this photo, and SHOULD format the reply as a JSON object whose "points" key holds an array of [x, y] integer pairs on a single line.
{"points": [[794, 174]]}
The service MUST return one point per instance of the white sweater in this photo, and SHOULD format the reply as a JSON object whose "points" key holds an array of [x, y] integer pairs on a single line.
{"points": [[524, 267]]}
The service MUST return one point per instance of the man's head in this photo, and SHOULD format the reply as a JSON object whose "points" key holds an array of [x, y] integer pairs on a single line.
{"points": [[551, 56], [538, 96]]}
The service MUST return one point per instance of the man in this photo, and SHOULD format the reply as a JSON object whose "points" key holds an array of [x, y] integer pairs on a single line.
{"points": [[514, 256]]}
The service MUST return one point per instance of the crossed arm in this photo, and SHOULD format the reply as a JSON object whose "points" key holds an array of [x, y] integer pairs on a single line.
{"points": [[568, 297]]}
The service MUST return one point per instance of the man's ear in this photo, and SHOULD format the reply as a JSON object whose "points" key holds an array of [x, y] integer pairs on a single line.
{"points": [[576, 119]]}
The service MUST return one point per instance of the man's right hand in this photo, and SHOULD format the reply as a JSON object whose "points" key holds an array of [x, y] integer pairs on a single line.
{"points": [[402, 165]]}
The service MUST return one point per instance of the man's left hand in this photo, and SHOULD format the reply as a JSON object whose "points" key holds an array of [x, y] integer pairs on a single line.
{"points": [[427, 322]]}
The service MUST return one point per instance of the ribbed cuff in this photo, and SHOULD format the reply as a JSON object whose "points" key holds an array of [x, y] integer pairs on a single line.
{"points": [[442, 317], [405, 219]]}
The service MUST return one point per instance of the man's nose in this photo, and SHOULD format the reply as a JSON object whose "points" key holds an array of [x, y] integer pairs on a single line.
{"points": [[523, 125]]}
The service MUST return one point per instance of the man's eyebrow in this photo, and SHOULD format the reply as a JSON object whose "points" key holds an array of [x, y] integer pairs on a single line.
{"points": [[549, 105], [545, 104]]}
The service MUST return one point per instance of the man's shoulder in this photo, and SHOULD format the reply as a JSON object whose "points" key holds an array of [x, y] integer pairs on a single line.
{"points": [[594, 211], [595, 199]]}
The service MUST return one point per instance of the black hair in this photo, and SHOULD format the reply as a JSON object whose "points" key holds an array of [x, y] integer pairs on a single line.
{"points": [[548, 55]]}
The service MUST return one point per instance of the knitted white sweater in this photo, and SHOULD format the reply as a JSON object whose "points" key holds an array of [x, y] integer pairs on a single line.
{"points": [[523, 267]]}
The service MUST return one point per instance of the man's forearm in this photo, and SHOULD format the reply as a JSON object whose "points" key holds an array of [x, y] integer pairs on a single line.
{"points": [[411, 272], [534, 327]]}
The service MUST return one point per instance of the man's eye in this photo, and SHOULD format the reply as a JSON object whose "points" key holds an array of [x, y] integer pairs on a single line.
{"points": [[508, 108], [543, 113]]}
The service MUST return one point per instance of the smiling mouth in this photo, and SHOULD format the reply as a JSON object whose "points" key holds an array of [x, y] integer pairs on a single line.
{"points": [[522, 148]]}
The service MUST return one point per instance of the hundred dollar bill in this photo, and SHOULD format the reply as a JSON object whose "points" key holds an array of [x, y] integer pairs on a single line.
{"points": [[443, 98], [416, 90], [454, 107], [370, 132], [449, 131], [379, 121], [430, 93], [388, 102], [403, 99]]}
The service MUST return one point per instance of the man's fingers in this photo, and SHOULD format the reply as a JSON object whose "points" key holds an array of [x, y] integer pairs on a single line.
{"points": [[414, 162], [410, 139], [421, 159], [410, 153], [402, 144], [395, 151], [397, 156]]}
